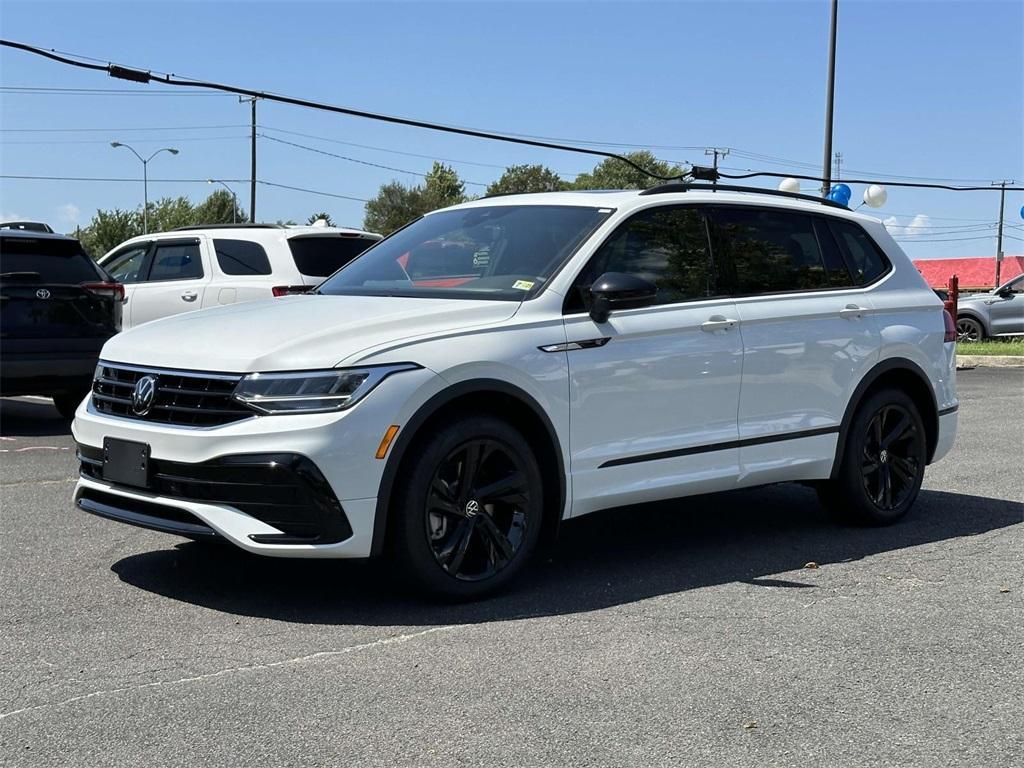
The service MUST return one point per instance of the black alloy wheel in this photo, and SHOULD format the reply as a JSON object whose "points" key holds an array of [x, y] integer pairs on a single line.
{"points": [[883, 461], [468, 507], [969, 329], [890, 460], [476, 517]]}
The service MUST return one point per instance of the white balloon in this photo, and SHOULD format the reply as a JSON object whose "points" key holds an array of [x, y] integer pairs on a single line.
{"points": [[875, 196], [789, 185]]}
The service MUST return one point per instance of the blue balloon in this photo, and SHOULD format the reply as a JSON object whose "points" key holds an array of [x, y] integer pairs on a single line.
{"points": [[1022, 211], [841, 194]]}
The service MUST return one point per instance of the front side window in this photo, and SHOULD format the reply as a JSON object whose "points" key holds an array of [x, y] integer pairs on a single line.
{"points": [[767, 250], [666, 246], [865, 258], [176, 261], [241, 257], [125, 266], [503, 252]]}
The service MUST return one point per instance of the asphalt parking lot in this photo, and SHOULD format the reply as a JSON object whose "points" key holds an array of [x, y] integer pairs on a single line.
{"points": [[685, 633]]}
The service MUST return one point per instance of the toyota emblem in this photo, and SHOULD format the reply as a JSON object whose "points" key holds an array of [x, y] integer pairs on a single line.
{"points": [[42, 293], [143, 394]]}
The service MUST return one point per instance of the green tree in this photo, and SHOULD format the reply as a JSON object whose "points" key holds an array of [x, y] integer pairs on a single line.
{"points": [[615, 174], [396, 204], [527, 178], [218, 208], [109, 229], [315, 217], [168, 213]]}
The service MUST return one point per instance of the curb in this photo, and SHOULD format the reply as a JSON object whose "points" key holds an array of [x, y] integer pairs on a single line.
{"points": [[990, 361]]}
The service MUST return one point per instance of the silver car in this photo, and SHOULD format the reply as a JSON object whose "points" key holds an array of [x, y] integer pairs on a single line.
{"points": [[996, 313]]}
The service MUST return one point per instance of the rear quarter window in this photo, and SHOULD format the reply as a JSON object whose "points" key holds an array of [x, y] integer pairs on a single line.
{"points": [[54, 261], [865, 258], [323, 255], [241, 257]]}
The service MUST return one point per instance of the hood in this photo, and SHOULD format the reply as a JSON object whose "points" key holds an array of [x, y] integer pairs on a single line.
{"points": [[294, 332], [969, 297]]}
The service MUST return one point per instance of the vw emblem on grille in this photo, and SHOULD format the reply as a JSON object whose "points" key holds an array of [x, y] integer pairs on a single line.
{"points": [[143, 394], [42, 293], [472, 508]]}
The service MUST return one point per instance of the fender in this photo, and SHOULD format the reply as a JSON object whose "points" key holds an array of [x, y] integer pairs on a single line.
{"points": [[885, 366], [974, 314], [428, 409]]}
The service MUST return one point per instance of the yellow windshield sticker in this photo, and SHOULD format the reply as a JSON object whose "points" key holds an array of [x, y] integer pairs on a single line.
{"points": [[523, 285]]}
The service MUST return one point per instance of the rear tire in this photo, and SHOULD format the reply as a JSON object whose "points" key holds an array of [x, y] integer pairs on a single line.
{"points": [[67, 403], [969, 329], [883, 461], [468, 515]]}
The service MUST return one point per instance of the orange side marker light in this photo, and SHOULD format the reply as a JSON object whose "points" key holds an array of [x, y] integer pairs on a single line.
{"points": [[385, 443]]}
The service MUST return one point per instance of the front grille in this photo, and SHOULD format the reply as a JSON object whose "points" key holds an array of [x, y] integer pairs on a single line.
{"points": [[182, 398], [284, 490]]}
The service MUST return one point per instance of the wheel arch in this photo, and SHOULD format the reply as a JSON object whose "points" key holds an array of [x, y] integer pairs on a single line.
{"points": [[899, 373], [974, 314], [501, 399]]}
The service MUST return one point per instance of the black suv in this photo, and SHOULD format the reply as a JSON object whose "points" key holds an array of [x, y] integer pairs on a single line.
{"points": [[57, 308]]}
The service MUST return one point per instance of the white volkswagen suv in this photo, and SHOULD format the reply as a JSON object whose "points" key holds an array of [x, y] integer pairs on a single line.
{"points": [[494, 368]]}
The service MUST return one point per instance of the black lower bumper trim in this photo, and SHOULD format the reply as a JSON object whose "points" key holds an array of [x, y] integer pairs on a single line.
{"points": [[144, 514], [284, 490]]}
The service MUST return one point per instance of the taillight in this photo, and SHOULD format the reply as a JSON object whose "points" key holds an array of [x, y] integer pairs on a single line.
{"points": [[950, 326], [111, 290], [289, 290]]}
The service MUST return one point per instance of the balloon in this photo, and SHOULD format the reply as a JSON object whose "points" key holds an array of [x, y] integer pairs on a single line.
{"points": [[840, 193], [793, 185], [1022, 211], [875, 196]]}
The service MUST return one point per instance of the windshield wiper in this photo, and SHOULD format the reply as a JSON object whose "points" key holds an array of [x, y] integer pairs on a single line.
{"points": [[19, 275]]}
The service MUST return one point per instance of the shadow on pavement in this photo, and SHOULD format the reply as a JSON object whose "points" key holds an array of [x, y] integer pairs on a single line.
{"points": [[610, 558], [31, 418]]}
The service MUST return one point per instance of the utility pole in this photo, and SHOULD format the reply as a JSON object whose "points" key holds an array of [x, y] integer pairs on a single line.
{"points": [[839, 163], [999, 237], [252, 169], [716, 152], [830, 101]]}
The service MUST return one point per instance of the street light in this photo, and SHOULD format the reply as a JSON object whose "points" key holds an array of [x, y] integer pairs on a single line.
{"points": [[145, 179], [234, 210]]}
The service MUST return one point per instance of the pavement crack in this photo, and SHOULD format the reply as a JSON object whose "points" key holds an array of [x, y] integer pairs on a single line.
{"points": [[319, 655]]}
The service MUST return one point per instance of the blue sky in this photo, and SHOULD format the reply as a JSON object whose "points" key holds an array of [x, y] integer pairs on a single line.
{"points": [[924, 89]]}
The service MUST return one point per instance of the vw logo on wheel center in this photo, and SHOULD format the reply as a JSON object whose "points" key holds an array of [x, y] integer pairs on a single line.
{"points": [[472, 508], [143, 394]]}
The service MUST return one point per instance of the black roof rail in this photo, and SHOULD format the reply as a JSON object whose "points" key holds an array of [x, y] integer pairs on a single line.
{"points": [[677, 186], [227, 226]]}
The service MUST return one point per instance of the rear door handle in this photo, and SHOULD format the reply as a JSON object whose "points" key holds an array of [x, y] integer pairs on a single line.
{"points": [[718, 323], [189, 296], [852, 312]]}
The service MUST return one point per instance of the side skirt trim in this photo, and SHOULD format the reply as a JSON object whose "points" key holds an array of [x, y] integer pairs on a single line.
{"points": [[721, 446], [947, 411]]}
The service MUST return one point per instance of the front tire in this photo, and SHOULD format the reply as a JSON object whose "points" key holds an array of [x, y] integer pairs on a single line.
{"points": [[468, 517], [883, 461]]}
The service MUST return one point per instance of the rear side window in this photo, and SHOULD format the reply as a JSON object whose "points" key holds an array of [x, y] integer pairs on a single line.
{"points": [[768, 250], [666, 246], [323, 255], [46, 261], [176, 261], [865, 258], [241, 257]]}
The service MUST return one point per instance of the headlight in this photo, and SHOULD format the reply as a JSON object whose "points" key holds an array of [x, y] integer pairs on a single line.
{"points": [[312, 391]]}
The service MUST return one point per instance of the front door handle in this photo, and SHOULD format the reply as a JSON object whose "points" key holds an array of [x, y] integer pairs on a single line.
{"points": [[189, 296], [852, 312], [718, 323]]}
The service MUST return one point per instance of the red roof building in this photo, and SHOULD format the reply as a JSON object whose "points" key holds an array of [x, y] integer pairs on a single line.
{"points": [[978, 273]]}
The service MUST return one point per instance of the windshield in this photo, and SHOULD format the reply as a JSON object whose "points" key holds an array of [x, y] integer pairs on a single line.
{"points": [[502, 252]]}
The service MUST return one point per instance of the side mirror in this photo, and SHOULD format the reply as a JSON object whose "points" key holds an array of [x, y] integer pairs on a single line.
{"points": [[616, 290], [1005, 292]]}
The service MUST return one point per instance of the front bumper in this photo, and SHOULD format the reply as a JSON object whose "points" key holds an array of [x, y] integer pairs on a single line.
{"points": [[340, 447]]}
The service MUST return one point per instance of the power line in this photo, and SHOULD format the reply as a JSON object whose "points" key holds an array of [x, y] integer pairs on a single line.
{"points": [[354, 160], [123, 129], [38, 91], [920, 185], [143, 76], [176, 139]]}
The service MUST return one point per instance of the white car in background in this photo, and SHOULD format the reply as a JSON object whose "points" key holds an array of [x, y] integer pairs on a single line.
{"points": [[193, 268]]}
